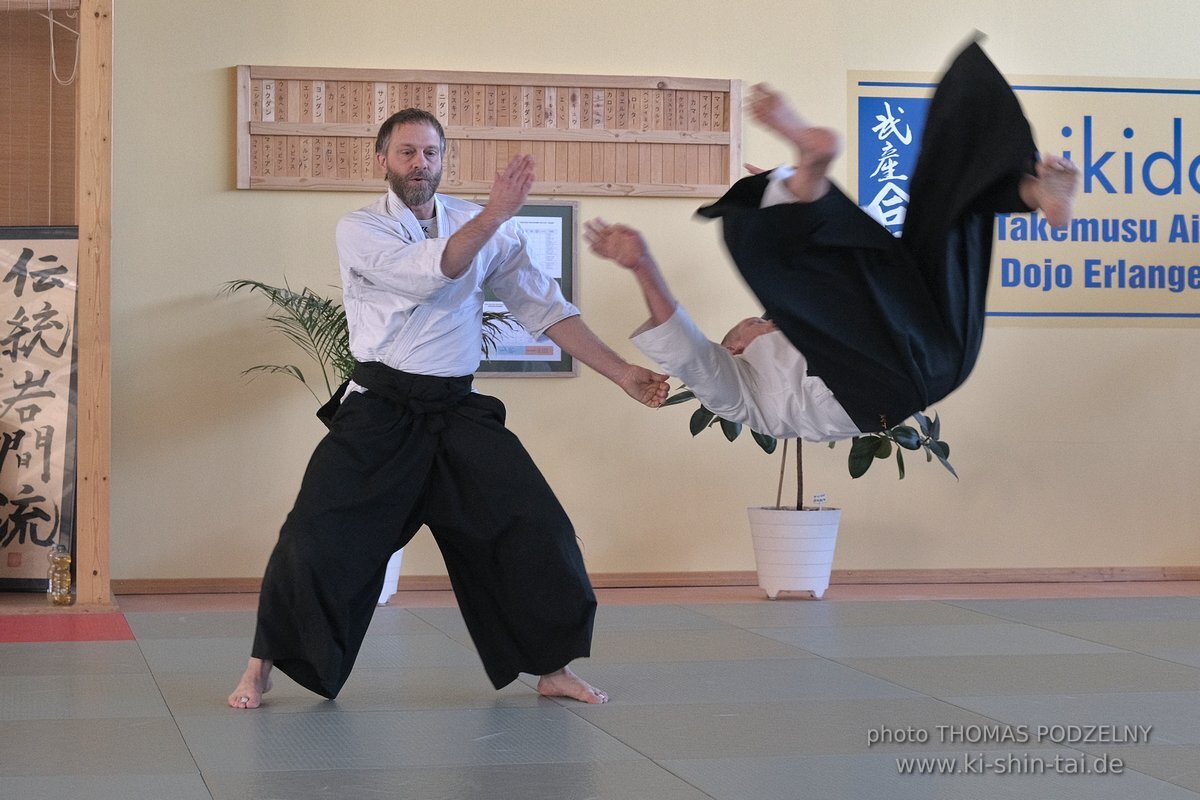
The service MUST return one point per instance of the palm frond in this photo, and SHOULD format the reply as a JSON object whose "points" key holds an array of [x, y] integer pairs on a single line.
{"points": [[286, 369], [315, 324], [492, 320]]}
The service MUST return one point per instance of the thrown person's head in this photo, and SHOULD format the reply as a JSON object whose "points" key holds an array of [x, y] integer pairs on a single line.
{"points": [[741, 335]]}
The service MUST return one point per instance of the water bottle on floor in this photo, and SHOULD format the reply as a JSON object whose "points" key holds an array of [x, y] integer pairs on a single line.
{"points": [[60, 576]]}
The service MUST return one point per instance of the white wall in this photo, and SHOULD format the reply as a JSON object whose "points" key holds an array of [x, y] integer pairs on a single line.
{"points": [[1075, 444]]}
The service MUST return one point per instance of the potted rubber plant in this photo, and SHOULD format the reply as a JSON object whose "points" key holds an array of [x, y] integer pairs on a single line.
{"points": [[794, 545]]}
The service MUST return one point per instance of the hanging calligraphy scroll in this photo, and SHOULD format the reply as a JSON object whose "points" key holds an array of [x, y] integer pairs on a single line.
{"points": [[37, 400], [314, 128]]}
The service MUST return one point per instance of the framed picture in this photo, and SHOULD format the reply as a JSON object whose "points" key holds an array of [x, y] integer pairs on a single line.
{"points": [[551, 229]]}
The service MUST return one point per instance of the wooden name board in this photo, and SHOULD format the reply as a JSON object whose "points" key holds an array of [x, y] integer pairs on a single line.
{"points": [[314, 128]]}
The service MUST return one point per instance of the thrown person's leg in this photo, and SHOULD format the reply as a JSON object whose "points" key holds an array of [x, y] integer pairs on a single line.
{"points": [[977, 158], [976, 146], [1052, 189], [815, 147]]}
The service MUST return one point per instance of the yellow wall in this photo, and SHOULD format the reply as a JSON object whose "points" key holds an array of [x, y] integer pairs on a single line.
{"points": [[1076, 445]]}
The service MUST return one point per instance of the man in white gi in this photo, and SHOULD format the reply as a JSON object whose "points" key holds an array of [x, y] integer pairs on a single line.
{"points": [[410, 443]]}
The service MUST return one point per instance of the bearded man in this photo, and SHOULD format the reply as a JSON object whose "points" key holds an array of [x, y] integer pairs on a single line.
{"points": [[411, 444]]}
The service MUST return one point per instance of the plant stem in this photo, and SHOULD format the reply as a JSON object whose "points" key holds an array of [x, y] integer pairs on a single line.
{"points": [[799, 476], [782, 466]]}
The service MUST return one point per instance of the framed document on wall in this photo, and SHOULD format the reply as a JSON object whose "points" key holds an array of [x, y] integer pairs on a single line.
{"points": [[551, 230]]}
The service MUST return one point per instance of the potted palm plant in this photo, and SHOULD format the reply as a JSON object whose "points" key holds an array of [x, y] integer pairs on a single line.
{"points": [[317, 325], [794, 545]]}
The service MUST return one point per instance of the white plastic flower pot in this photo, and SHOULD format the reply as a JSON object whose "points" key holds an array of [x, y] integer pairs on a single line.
{"points": [[793, 550]]}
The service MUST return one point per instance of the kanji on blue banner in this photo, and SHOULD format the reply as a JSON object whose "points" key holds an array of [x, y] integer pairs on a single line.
{"points": [[889, 137]]}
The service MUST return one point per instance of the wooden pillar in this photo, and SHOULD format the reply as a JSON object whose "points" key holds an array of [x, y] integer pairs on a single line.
{"points": [[93, 325]]}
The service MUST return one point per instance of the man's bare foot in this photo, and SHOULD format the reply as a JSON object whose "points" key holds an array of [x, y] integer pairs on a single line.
{"points": [[1053, 190], [566, 683], [255, 682], [815, 147]]}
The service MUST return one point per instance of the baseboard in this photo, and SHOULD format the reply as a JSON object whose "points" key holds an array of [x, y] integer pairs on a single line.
{"points": [[613, 580], [1015, 575], [186, 586], [654, 580], [651, 580]]}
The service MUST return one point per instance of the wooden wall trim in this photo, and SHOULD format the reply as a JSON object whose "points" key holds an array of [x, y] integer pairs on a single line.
{"points": [[261, 72], [93, 326], [651, 580]]}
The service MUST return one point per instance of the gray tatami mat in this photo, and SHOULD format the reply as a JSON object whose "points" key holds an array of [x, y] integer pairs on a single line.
{"points": [[767, 700]]}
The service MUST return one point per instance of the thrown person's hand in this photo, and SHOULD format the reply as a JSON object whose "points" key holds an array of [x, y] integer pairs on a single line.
{"points": [[618, 243]]}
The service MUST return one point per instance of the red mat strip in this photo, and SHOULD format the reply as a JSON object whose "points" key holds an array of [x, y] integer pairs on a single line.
{"points": [[104, 627]]}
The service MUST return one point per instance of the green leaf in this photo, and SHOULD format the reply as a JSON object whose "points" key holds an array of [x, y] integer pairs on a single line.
{"points": [[942, 451], [935, 428], [731, 429], [906, 436], [284, 369], [863, 450], [922, 421], [701, 417], [680, 397], [946, 464], [767, 443], [900, 462]]}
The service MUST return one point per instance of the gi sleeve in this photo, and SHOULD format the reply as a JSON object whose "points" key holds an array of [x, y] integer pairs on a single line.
{"points": [[723, 383], [531, 296], [377, 250]]}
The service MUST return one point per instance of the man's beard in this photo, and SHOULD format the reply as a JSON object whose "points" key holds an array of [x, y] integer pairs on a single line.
{"points": [[415, 193]]}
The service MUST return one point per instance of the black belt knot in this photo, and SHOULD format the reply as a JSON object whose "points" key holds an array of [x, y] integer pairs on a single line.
{"points": [[425, 397]]}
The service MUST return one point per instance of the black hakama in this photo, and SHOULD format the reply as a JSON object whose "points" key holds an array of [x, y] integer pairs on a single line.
{"points": [[893, 325], [416, 450]]}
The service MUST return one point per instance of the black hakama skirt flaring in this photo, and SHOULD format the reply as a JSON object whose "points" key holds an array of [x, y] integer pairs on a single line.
{"points": [[417, 450], [892, 325]]}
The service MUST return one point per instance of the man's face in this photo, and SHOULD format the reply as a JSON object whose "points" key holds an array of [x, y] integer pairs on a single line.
{"points": [[741, 335], [413, 163]]}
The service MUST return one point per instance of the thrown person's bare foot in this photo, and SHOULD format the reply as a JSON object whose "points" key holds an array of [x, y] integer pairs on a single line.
{"points": [[255, 682], [566, 683], [815, 147], [771, 109], [1053, 190]]}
